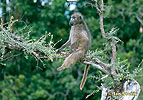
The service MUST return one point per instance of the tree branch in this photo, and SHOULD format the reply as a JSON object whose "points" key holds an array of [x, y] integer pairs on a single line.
{"points": [[98, 66], [105, 36], [128, 86]]}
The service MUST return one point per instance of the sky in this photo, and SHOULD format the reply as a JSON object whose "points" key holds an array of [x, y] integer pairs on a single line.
{"points": [[72, 7], [0, 12]]}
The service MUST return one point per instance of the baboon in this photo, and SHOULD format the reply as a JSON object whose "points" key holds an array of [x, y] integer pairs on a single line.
{"points": [[79, 41]]}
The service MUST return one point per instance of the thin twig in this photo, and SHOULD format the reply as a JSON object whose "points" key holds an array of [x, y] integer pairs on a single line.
{"points": [[97, 7], [10, 57]]}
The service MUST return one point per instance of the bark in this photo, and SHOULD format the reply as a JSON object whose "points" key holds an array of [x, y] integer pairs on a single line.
{"points": [[3, 11], [130, 91]]}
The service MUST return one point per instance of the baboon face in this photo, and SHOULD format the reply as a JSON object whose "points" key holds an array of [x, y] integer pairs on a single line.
{"points": [[76, 18]]}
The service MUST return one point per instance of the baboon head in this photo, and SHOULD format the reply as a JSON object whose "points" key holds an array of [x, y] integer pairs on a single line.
{"points": [[76, 18]]}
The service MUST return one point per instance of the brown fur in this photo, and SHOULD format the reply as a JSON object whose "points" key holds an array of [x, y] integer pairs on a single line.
{"points": [[80, 41], [84, 77]]}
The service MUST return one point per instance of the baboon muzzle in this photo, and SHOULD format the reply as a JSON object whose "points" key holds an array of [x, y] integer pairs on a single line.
{"points": [[71, 22]]}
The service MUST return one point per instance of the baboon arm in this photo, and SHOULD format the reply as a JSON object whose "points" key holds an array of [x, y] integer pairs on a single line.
{"points": [[72, 46], [65, 45], [84, 35], [84, 77]]}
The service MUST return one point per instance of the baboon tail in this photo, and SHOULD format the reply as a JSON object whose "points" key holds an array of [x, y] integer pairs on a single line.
{"points": [[84, 77]]}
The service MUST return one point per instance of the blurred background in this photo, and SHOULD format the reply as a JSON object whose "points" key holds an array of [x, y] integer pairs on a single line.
{"points": [[20, 79]]}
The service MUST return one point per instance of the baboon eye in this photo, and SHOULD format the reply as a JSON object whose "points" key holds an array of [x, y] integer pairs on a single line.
{"points": [[73, 17]]}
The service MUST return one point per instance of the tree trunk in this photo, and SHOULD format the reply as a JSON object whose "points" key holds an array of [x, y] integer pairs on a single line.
{"points": [[130, 91]]}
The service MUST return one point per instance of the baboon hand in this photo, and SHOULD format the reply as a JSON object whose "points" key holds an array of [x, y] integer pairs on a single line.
{"points": [[60, 68], [58, 51]]}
